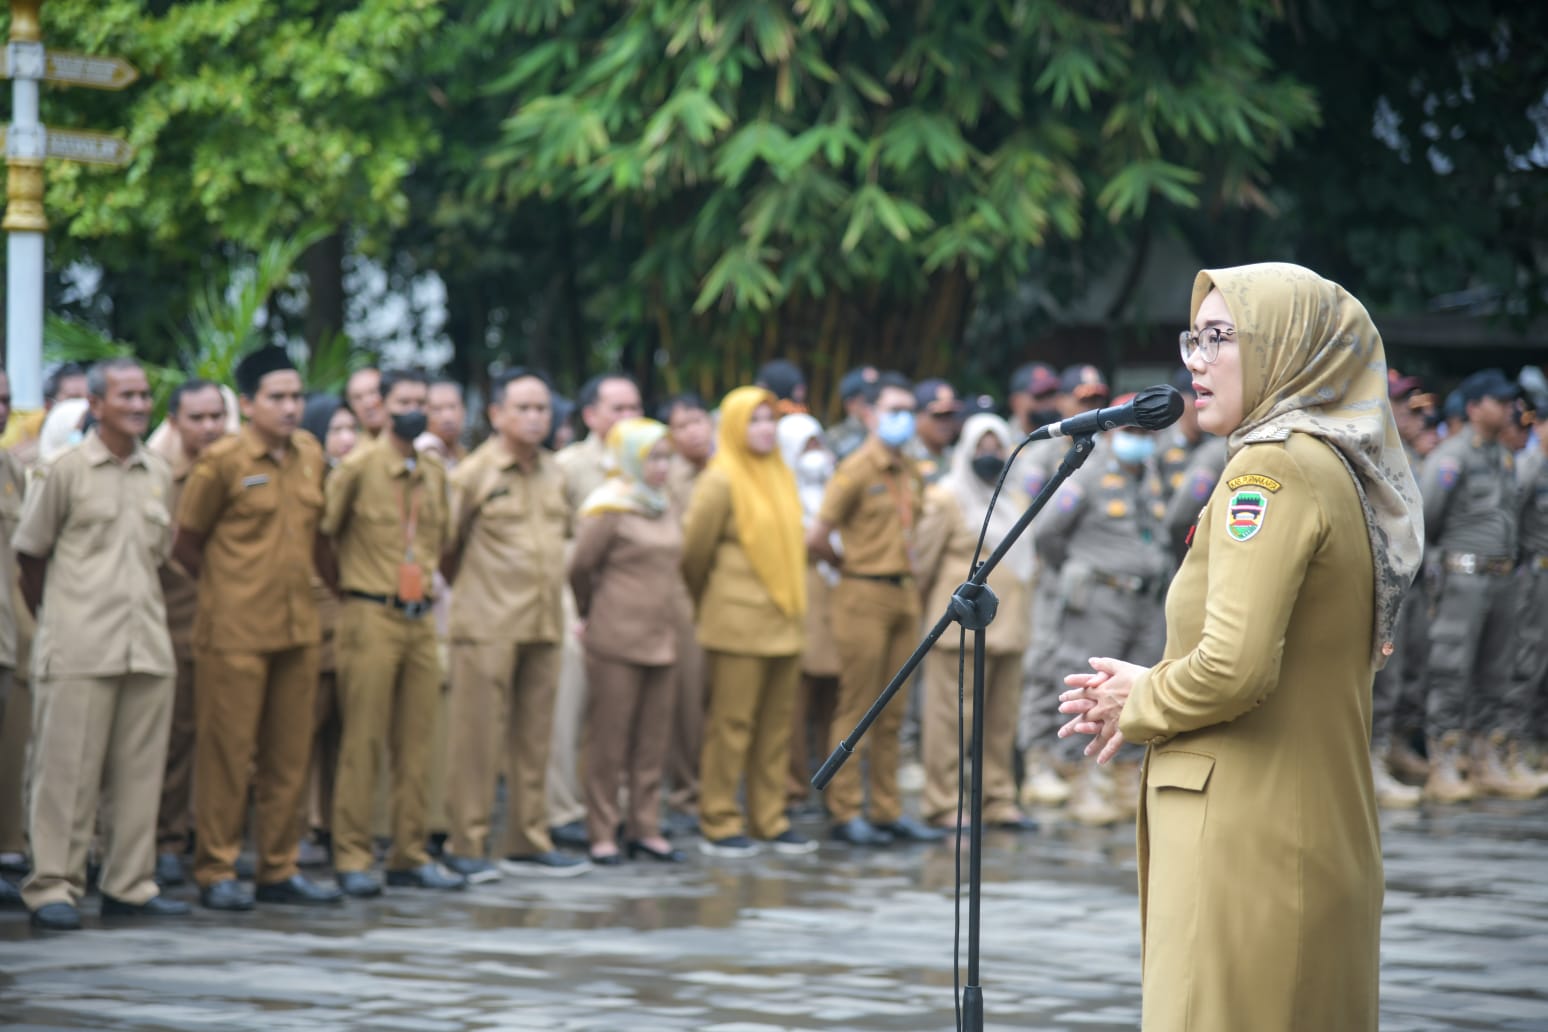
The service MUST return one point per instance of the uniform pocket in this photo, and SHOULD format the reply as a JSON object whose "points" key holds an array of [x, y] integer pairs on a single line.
{"points": [[1174, 768], [158, 527]]}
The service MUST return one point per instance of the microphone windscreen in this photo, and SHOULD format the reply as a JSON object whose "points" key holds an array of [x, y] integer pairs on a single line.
{"points": [[1158, 407]]}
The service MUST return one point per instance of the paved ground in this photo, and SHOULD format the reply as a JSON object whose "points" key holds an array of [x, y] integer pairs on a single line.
{"points": [[837, 940]]}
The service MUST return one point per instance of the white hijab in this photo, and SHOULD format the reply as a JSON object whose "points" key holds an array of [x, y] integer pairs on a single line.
{"points": [[973, 494]]}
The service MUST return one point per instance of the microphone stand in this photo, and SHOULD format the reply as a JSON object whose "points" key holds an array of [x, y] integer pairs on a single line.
{"points": [[973, 606]]}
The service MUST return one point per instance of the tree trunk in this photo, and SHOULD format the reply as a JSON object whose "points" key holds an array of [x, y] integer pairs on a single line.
{"points": [[324, 265]]}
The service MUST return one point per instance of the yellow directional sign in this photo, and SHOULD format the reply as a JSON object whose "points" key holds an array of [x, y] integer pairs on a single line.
{"points": [[98, 73], [88, 148]]}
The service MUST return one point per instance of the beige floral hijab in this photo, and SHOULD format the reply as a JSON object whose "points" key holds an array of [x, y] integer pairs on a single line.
{"points": [[1313, 363]]}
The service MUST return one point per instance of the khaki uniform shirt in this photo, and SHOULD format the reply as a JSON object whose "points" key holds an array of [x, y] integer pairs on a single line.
{"points": [[1469, 491], [584, 465], [681, 476], [104, 527], [626, 572], [1108, 519], [259, 521], [371, 497], [946, 543], [180, 590], [13, 487], [874, 501], [508, 531]]}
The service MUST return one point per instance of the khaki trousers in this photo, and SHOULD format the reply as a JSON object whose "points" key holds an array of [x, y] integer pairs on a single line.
{"points": [[811, 721], [685, 737], [1002, 699], [563, 792], [96, 740], [175, 818], [500, 717], [747, 734], [875, 625], [327, 729], [15, 736], [628, 720], [253, 713], [389, 676]]}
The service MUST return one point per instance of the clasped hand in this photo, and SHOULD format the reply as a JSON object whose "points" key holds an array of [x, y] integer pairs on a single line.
{"points": [[1096, 702]]}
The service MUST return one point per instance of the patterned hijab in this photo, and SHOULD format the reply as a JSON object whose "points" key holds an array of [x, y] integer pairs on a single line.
{"points": [[629, 442], [764, 502], [1313, 363]]}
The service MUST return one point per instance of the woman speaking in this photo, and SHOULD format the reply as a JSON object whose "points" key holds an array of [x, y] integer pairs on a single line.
{"points": [[1259, 852]]}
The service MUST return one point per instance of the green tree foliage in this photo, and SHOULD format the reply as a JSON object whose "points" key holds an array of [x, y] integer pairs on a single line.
{"points": [[251, 119], [1429, 172], [836, 178]]}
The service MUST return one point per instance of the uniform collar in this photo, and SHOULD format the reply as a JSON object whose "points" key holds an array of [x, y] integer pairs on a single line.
{"points": [[254, 445], [397, 464], [878, 456], [97, 452], [505, 459]]}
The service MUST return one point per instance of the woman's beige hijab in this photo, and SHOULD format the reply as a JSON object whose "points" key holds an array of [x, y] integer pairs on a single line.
{"points": [[1313, 363]]}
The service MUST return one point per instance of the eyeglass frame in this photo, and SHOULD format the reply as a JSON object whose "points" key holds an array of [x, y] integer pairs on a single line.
{"points": [[1190, 342]]}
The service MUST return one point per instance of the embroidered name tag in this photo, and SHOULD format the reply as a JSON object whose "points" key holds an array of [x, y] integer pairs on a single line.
{"points": [[255, 481], [1268, 484]]}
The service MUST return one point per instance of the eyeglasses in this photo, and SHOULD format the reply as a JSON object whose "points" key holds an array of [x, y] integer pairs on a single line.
{"points": [[1206, 341]]}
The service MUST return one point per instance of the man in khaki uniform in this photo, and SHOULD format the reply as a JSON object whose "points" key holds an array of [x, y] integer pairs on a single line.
{"points": [[386, 512], [197, 413], [13, 484], [93, 533], [603, 400], [247, 531], [505, 561], [693, 442], [874, 500], [363, 395]]}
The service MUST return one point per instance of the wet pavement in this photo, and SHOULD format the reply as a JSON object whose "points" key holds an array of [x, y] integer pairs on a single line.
{"points": [[841, 939]]}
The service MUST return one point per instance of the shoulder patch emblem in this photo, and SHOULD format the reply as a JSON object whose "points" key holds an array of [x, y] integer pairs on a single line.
{"points": [[1258, 480], [1246, 508], [1447, 473], [1202, 486]]}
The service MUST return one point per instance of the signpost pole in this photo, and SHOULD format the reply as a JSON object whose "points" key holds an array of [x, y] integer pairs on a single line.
{"points": [[24, 222]]}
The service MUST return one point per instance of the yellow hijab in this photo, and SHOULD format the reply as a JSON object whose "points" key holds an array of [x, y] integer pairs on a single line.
{"points": [[764, 502], [630, 441], [1313, 363]]}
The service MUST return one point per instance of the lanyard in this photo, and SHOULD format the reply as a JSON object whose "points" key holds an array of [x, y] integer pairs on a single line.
{"points": [[408, 505]]}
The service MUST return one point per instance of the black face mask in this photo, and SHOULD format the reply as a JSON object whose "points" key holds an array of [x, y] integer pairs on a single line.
{"points": [[408, 425], [987, 468], [1043, 417]]}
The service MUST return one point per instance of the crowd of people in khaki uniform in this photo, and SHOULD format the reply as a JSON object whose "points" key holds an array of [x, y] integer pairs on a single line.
{"points": [[326, 625]]}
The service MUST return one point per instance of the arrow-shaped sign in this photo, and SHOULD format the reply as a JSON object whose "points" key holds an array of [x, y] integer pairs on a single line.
{"points": [[98, 73], [85, 147]]}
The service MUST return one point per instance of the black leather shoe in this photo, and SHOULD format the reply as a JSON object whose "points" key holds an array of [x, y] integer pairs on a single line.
{"points": [[570, 836], [359, 884], [606, 859], [907, 829], [1021, 823], [426, 876], [56, 917], [156, 906], [169, 870], [299, 890], [10, 896], [226, 895], [860, 832], [671, 856]]}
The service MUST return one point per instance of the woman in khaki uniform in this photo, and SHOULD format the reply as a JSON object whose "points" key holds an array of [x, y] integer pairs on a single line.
{"points": [[804, 451], [944, 544], [1259, 851], [744, 558], [625, 572], [330, 421]]}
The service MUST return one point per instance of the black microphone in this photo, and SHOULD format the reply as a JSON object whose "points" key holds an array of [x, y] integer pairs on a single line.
{"points": [[1154, 408]]}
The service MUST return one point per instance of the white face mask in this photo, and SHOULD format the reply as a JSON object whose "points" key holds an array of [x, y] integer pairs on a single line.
{"points": [[814, 467]]}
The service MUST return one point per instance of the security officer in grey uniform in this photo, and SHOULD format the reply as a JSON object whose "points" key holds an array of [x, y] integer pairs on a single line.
{"points": [[1081, 388], [1530, 677], [1177, 444], [1103, 543], [1469, 489], [851, 433], [1398, 694]]}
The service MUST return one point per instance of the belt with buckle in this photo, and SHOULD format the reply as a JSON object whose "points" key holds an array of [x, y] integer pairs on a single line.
{"points": [[897, 580], [1465, 562], [412, 610], [1131, 583]]}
